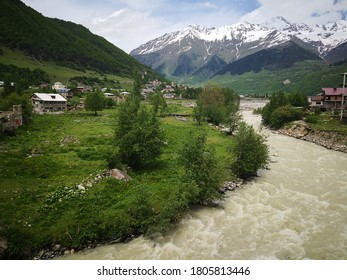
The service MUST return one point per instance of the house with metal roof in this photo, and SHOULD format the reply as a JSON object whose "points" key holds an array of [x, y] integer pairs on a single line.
{"points": [[333, 98], [48, 102]]}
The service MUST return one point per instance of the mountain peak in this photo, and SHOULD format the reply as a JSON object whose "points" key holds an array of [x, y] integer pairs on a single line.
{"points": [[278, 23], [193, 47]]}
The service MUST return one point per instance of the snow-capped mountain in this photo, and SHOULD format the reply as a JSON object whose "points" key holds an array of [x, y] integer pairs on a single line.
{"points": [[187, 51]]}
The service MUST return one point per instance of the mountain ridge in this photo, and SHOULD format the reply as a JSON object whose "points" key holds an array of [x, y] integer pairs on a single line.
{"points": [[329, 35], [189, 52]]}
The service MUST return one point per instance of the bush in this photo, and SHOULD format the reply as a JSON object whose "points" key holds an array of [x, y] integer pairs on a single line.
{"points": [[202, 172], [276, 100], [284, 115], [312, 118], [139, 137], [21, 243], [251, 152]]}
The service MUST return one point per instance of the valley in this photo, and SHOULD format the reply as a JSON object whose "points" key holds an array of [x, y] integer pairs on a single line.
{"points": [[234, 55]]}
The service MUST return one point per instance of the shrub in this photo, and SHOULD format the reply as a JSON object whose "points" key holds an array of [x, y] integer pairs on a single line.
{"points": [[139, 137], [284, 115], [250, 151], [202, 172], [276, 100], [312, 118]]}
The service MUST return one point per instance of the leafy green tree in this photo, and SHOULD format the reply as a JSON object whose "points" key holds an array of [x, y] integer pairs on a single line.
{"points": [[219, 106], [198, 112], [74, 101], [139, 138], [277, 100], [6, 104], [232, 114], [109, 103], [94, 102], [159, 103], [298, 99], [250, 152], [201, 169], [284, 114], [212, 102]]}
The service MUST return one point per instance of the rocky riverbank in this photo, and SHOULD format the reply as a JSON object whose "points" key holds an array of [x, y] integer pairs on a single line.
{"points": [[328, 139]]}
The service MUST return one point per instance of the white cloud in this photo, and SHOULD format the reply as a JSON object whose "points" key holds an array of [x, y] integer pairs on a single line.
{"points": [[209, 5], [127, 28], [310, 12], [130, 23]]}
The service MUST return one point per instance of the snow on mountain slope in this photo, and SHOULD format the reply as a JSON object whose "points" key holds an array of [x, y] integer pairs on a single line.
{"points": [[273, 32]]}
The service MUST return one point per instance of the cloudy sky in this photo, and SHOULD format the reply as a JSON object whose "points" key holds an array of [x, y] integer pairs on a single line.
{"points": [[130, 23]]}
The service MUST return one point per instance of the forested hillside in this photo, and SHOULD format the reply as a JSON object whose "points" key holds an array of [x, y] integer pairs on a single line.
{"points": [[65, 43]]}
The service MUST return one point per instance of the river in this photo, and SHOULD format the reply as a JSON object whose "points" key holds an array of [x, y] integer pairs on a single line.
{"points": [[296, 209]]}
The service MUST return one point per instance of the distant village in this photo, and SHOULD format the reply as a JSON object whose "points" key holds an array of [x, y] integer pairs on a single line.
{"points": [[57, 100], [330, 99]]}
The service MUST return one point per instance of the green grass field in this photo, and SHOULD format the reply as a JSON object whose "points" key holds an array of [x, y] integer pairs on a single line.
{"points": [[328, 122], [42, 165]]}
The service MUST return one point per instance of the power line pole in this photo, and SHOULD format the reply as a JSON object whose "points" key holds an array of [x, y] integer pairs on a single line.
{"points": [[343, 93]]}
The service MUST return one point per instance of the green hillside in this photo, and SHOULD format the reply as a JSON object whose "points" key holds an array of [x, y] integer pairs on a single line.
{"points": [[28, 39], [54, 71], [308, 77]]}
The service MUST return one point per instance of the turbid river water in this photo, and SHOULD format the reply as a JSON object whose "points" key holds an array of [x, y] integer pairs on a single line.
{"points": [[297, 209]]}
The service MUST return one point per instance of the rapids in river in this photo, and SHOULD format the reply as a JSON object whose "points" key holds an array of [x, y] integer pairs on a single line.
{"points": [[296, 209]]}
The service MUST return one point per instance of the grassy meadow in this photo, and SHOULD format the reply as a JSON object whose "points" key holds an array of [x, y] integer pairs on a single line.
{"points": [[42, 166]]}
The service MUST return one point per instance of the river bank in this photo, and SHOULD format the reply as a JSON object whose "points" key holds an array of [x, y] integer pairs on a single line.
{"points": [[303, 131], [296, 209], [54, 201]]}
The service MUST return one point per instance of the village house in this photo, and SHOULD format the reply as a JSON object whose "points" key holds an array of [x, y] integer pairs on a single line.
{"points": [[48, 102], [316, 101], [330, 99], [110, 95], [62, 89], [11, 120], [168, 96], [333, 98]]}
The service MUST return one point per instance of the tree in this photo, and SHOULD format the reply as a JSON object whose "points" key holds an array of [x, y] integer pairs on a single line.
{"points": [[94, 102], [139, 137], [250, 152], [284, 114], [232, 114], [212, 104], [298, 99], [198, 112], [159, 103], [6, 104], [219, 106], [277, 100], [201, 169]]}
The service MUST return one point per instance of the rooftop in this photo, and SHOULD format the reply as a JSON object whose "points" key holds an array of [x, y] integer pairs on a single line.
{"points": [[334, 91], [48, 97]]}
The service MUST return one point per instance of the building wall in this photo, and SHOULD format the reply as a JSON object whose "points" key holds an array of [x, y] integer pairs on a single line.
{"points": [[49, 106], [11, 120]]}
